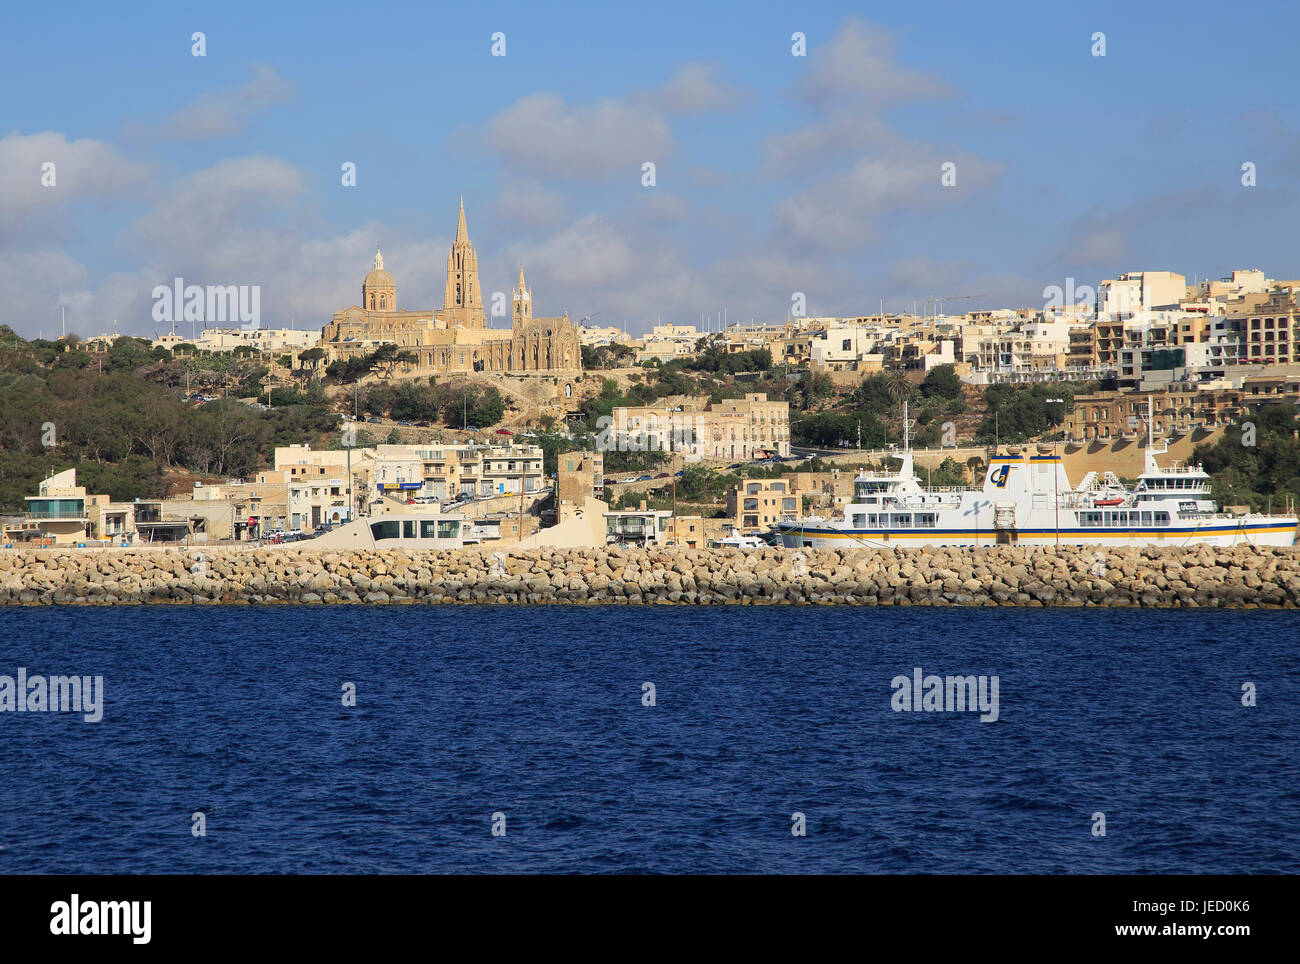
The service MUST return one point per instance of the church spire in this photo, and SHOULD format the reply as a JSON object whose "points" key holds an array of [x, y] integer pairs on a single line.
{"points": [[379, 259], [523, 302], [462, 290], [462, 233]]}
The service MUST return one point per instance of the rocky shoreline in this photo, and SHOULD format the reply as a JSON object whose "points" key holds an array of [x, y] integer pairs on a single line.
{"points": [[1243, 577]]}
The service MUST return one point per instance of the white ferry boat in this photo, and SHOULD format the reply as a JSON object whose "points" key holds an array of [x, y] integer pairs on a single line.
{"points": [[1027, 500]]}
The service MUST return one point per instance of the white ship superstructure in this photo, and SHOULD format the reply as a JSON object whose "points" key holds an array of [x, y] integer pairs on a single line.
{"points": [[1026, 499]]}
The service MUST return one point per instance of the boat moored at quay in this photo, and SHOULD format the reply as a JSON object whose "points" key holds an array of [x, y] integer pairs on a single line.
{"points": [[1026, 499]]}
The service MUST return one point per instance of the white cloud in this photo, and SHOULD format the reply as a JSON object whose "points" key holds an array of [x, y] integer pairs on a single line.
{"points": [[842, 211], [84, 169], [858, 64], [223, 113], [696, 89], [542, 136], [220, 206], [822, 142], [529, 203], [590, 252]]}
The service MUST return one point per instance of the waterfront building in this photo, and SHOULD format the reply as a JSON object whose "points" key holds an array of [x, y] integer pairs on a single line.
{"points": [[579, 476], [638, 526], [755, 505], [64, 513]]}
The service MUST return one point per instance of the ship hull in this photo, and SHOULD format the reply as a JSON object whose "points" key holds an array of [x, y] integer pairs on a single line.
{"points": [[1255, 533]]}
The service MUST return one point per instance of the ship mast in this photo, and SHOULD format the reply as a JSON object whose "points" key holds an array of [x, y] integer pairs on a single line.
{"points": [[1150, 456]]}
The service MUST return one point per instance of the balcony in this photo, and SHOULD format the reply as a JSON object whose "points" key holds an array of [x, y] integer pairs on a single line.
{"points": [[58, 515]]}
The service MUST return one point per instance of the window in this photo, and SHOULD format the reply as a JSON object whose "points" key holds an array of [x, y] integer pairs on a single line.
{"points": [[1146, 518], [788, 504], [860, 521], [901, 520], [385, 530], [752, 488], [751, 505], [926, 520], [428, 529], [1162, 518], [448, 528], [408, 529], [1089, 519]]}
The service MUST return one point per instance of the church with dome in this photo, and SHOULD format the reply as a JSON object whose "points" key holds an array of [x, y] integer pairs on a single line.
{"points": [[455, 338]]}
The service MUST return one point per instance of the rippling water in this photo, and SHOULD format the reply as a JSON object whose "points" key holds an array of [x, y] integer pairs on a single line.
{"points": [[537, 713]]}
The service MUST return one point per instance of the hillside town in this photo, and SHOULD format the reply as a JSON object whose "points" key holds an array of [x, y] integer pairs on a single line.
{"points": [[552, 432]]}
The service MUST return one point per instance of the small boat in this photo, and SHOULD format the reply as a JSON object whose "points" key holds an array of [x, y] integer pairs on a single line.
{"points": [[737, 541], [1114, 501]]}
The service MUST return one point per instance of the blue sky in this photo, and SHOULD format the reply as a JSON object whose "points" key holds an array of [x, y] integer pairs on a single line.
{"points": [[774, 173]]}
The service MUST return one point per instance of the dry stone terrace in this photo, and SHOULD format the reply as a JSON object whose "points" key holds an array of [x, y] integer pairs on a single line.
{"points": [[1244, 577]]}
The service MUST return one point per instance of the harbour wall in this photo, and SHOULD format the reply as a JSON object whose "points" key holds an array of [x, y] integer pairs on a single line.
{"points": [[1243, 577]]}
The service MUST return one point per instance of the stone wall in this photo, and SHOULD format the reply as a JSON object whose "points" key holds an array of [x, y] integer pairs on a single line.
{"points": [[1012, 576]]}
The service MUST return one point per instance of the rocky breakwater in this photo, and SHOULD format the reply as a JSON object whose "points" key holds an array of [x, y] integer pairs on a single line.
{"points": [[1243, 577]]}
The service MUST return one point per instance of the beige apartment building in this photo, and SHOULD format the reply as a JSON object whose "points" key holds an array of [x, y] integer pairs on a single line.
{"points": [[1031, 347], [579, 476], [734, 428], [1269, 327], [1137, 291], [755, 505], [1176, 409], [238, 510], [445, 473], [318, 483]]}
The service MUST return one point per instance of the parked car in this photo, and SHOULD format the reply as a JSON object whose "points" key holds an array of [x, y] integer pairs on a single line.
{"points": [[663, 475], [646, 478], [375, 419], [471, 428], [422, 424], [630, 478], [504, 431], [679, 473], [404, 423]]}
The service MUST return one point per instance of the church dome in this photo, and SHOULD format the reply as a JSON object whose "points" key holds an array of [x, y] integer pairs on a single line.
{"points": [[379, 278], [379, 290]]}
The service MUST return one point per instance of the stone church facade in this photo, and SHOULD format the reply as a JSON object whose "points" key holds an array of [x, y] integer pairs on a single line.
{"points": [[456, 338]]}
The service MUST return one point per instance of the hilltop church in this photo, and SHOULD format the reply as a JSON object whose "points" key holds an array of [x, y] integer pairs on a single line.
{"points": [[457, 338]]}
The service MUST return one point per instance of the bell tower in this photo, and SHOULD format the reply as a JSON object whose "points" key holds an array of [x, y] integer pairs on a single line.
{"points": [[462, 293], [523, 302]]}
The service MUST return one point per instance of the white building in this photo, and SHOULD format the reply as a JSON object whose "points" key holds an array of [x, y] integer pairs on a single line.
{"points": [[1138, 291]]}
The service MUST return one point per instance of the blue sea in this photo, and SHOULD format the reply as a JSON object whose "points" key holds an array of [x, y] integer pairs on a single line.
{"points": [[538, 715]]}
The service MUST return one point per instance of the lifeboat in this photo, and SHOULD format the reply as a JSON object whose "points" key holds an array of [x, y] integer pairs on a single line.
{"points": [[1117, 500]]}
